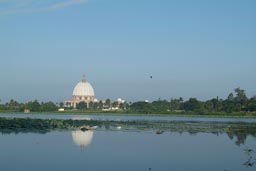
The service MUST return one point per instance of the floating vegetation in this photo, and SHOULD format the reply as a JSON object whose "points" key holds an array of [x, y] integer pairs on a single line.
{"points": [[234, 129], [159, 132]]}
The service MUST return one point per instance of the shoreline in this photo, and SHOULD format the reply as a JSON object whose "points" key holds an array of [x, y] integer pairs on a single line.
{"points": [[192, 115]]}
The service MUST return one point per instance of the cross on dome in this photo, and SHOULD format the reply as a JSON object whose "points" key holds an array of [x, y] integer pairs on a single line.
{"points": [[83, 80]]}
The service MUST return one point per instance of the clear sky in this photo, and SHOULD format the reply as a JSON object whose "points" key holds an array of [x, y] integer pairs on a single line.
{"points": [[199, 48]]}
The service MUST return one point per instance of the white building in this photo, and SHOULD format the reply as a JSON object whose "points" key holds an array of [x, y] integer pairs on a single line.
{"points": [[119, 101], [83, 92]]}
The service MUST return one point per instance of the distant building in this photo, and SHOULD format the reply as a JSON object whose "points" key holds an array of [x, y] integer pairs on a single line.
{"points": [[83, 92], [120, 101], [61, 109], [117, 105], [26, 111]]}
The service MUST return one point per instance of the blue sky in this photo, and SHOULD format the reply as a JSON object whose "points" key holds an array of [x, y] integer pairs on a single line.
{"points": [[193, 48]]}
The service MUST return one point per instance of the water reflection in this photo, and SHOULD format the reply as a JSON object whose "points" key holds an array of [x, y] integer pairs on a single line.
{"points": [[251, 160], [125, 118], [82, 138], [131, 150], [238, 131]]}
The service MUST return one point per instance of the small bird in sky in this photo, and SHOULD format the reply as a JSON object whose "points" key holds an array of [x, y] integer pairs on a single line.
{"points": [[151, 77]]}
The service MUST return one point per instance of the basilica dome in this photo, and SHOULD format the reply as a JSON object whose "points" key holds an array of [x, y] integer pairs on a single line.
{"points": [[83, 88], [83, 92]]}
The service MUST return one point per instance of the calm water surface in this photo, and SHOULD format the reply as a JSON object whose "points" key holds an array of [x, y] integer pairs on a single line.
{"points": [[123, 151], [111, 117]]}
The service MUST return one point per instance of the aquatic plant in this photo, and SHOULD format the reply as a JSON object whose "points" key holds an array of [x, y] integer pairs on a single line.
{"points": [[240, 130]]}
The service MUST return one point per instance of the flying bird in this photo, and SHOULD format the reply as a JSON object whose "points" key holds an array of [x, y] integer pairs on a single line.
{"points": [[151, 77]]}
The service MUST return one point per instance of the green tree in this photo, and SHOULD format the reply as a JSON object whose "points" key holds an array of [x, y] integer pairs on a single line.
{"points": [[82, 106], [33, 106], [241, 97], [122, 106], [209, 106], [95, 105], [142, 107], [61, 104], [193, 105], [91, 105], [108, 103], [235, 103], [176, 104], [48, 107], [100, 105], [230, 106], [231, 97], [12, 105], [126, 105], [252, 104], [160, 106], [115, 104], [217, 104]]}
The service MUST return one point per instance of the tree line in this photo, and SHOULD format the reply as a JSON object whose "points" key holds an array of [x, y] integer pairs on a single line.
{"points": [[33, 106], [236, 101], [107, 104]]}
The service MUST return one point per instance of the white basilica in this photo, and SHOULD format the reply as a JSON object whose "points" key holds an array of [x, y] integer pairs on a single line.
{"points": [[83, 92]]}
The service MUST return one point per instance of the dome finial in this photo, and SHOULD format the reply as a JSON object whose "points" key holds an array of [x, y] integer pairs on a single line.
{"points": [[83, 80]]}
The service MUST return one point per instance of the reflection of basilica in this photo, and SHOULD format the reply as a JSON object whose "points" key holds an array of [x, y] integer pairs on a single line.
{"points": [[82, 138]]}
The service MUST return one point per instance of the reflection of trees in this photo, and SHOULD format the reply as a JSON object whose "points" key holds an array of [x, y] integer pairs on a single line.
{"points": [[251, 160], [241, 131], [238, 130], [241, 137]]}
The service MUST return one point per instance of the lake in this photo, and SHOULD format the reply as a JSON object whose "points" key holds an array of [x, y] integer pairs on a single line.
{"points": [[128, 149], [124, 117]]}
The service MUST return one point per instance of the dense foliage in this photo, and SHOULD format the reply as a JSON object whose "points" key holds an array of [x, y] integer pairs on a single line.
{"points": [[33, 106], [236, 102], [233, 103]]}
